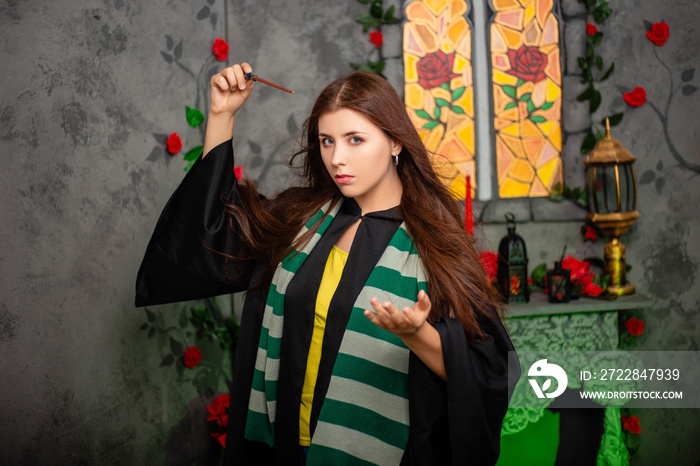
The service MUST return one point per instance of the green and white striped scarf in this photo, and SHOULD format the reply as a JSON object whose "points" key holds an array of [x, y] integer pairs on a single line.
{"points": [[364, 418]]}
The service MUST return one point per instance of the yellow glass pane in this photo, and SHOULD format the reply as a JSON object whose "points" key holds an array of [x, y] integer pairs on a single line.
{"points": [[435, 5], [413, 95], [512, 188], [410, 63], [522, 171], [553, 91], [513, 38], [530, 12], [555, 137], [550, 174], [417, 12], [458, 9], [526, 99], [441, 106], [456, 31], [543, 8], [466, 135], [499, 5], [500, 77]]}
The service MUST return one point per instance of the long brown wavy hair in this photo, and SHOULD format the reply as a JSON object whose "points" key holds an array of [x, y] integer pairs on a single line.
{"points": [[457, 284]]}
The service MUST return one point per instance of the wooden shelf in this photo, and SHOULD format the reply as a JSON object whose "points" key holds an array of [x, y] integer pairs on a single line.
{"points": [[539, 305]]}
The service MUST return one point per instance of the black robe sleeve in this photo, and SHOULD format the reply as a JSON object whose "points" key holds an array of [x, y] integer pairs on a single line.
{"points": [[458, 422], [183, 260]]}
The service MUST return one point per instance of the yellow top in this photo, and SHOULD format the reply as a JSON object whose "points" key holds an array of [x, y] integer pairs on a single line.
{"points": [[329, 282]]}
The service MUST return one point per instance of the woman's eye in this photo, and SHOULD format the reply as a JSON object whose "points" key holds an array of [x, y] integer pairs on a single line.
{"points": [[355, 140], [327, 142]]}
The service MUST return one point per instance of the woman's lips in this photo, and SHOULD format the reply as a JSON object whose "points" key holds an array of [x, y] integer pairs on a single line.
{"points": [[342, 179]]}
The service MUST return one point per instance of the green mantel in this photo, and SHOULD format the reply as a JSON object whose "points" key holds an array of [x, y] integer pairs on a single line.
{"points": [[539, 305]]}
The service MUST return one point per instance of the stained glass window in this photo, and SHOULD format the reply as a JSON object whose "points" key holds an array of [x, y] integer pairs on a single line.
{"points": [[439, 87], [526, 75], [525, 84]]}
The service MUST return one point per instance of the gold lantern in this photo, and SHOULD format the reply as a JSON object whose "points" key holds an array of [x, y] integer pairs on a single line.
{"points": [[612, 190]]}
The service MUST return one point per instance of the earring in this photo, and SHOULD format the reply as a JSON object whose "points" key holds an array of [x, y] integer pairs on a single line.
{"points": [[396, 159]]}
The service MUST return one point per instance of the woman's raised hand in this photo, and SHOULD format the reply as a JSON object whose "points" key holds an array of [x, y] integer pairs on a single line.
{"points": [[230, 89]]}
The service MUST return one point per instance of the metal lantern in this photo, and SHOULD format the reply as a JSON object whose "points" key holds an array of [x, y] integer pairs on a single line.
{"points": [[612, 190], [512, 265], [559, 284]]}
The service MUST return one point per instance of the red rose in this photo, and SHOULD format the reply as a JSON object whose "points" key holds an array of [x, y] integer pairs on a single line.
{"points": [[658, 33], [489, 260], [591, 289], [174, 143], [528, 63], [591, 29], [635, 98], [634, 326], [218, 411], [435, 69], [591, 233], [221, 437], [220, 49], [631, 423], [376, 38], [192, 356], [580, 270], [238, 172]]}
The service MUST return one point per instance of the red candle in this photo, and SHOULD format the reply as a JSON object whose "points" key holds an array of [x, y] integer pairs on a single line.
{"points": [[468, 218]]}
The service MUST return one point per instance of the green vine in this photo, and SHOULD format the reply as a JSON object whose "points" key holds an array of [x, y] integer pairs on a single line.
{"points": [[374, 19], [592, 66]]}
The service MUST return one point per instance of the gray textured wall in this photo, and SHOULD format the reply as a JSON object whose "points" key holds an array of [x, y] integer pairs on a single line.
{"points": [[86, 93]]}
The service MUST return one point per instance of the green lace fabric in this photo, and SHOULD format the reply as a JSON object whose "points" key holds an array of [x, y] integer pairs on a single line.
{"points": [[596, 331]]}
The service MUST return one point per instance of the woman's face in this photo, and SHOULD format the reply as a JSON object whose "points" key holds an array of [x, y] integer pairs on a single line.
{"points": [[358, 156]]}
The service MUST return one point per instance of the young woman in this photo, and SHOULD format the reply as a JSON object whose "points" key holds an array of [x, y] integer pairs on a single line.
{"points": [[369, 333]]}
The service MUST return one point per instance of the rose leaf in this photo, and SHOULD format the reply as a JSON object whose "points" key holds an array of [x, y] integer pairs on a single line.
{"points": [[608, 73], [431, 124], [538, 119], [687, 75], [457, 110], [203, 13], [530, 106], [442, 102], [546, 105], [178, 50], [175, 346], [167, 361], [457, 93], [194, 117], [510, 105], [525, 97], [689, 89], [423, 114], [509, 90], [437, 112], [167, 57], [193, 154]]}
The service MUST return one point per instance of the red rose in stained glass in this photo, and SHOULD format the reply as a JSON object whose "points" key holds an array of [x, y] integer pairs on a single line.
{"points": [[527, 63], [435, 69]]}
